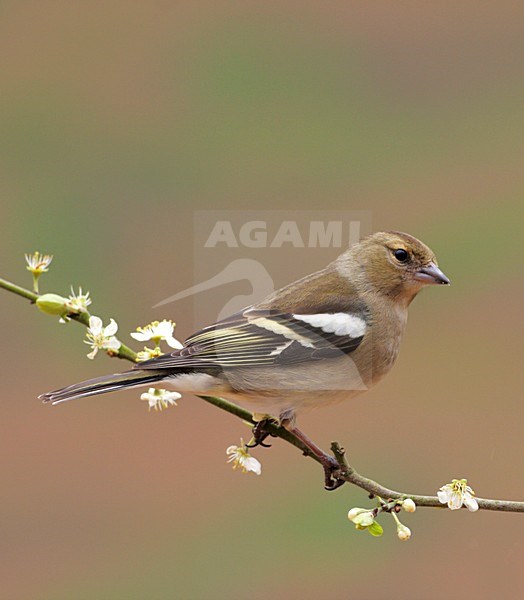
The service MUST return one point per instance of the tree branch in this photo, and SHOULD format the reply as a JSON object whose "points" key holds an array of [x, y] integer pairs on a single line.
{"points": [[20, 291], [346, 472], [349, 474]]}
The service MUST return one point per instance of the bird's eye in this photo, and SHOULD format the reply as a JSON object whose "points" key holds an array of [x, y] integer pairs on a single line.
{"points": [[401, 255]]}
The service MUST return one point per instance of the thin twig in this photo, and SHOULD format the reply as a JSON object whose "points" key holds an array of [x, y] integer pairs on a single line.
{"points": [[82, 317], [349, 474], [16, 289]]}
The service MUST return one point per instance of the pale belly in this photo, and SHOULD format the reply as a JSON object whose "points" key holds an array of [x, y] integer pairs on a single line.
{"points": [[276, 391]]}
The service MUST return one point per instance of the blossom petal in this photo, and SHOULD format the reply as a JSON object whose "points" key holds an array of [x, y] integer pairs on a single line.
{"points": [[95, 325], [111, 329], [443, 496], [164, 329], [140, 336], [455, 502], [112, 344], [253, 465], [471, 503], [173, 343], [364, 519]]}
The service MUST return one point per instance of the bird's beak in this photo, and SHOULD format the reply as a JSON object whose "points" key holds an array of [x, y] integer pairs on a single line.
{"points": [[431, 274]]}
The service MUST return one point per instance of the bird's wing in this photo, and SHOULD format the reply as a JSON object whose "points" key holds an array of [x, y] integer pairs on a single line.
{"points": [[259, 337]]}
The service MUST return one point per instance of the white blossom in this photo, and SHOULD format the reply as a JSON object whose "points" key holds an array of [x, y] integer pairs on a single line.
{"points": [[456, 494], [148, 353], [38, 263], [75, 304], [159, 399], [79, 302], [158, 331], [240, 457], [100, 337]]}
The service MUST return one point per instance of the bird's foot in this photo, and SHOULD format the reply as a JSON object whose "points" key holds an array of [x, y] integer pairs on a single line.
{"points": [[332, 471], [261, 433], [332, 481]]}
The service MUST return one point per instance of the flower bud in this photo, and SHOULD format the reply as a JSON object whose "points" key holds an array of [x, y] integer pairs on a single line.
{"points": [[409, 505], [403, 532], [361, 517], [354, 512], [52, 304]]}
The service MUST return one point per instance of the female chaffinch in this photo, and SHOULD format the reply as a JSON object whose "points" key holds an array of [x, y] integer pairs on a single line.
{"points": [[317, 341]]}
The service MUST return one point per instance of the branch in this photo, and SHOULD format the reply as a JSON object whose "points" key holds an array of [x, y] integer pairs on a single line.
{"points": [[16, 289], [124, 351], [345, 473], [349, 474]]}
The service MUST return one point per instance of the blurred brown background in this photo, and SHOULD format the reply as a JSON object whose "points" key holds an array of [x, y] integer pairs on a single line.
{"points": [[118, 119]]}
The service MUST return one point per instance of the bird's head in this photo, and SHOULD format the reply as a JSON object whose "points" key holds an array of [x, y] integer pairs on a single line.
{"points": [[396, 264]]}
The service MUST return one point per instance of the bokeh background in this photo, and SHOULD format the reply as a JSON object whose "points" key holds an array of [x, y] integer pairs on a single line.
{"points": [[118, 120]]}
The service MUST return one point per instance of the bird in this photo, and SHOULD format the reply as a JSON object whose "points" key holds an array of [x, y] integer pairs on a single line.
{"points": [[318, 341]]}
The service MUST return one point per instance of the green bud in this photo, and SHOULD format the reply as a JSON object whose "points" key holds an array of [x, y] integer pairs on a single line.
{"points": [[375, 529], [52, 304]]}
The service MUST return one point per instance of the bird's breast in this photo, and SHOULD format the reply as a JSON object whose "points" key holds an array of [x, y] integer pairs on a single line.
{"points": [[383, 344]]}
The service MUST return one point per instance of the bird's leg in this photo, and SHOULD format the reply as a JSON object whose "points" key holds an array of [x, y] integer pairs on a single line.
{"points": [[330, 465], [287, 420], [260, 433]]}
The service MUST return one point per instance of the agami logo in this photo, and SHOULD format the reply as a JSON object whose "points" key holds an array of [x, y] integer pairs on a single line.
{"points": [[232, 233], [261, 234]]}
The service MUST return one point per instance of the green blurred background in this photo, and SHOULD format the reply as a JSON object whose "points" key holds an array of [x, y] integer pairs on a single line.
{"points": [[118, 119]]}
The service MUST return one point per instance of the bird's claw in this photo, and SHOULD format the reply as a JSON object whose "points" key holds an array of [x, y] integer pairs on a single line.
{"points": [[260, 433], [332, 478], [331, 470]]}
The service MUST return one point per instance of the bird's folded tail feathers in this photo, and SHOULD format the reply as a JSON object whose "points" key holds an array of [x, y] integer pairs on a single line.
{"points": [[102, 385]]}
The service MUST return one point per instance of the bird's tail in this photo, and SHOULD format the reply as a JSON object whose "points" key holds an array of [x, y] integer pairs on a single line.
{"points": [[101, 385]]}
